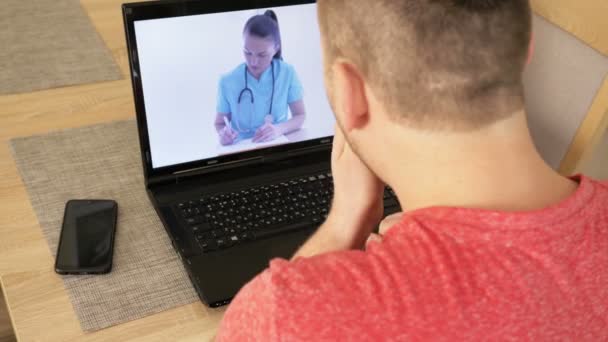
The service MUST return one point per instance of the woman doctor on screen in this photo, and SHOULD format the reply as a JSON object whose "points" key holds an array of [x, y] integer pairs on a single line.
{"points": [[253, 98]]}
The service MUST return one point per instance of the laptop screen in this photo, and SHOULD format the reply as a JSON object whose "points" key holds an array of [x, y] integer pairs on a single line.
{"points": [[224, 83]]}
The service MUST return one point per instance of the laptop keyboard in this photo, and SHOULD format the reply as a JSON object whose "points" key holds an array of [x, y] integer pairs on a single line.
{"points": [[225, 220]]}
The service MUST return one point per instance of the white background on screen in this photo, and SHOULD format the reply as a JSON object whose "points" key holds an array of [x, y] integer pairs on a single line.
{"points": [[182, 59]]}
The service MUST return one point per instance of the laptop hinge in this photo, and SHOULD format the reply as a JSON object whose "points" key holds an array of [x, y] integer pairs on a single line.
{"points": [[179, 176], [183, 174]]}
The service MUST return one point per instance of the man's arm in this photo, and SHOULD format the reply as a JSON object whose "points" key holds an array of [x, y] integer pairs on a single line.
{"points": [[334, 235], [356, 210], [357, 205]]}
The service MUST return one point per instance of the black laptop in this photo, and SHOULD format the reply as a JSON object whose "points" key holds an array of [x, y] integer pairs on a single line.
{"points": [[229, 208]]}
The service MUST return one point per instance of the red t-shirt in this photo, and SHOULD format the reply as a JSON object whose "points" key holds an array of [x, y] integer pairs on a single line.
{"points": [[448, 274]]}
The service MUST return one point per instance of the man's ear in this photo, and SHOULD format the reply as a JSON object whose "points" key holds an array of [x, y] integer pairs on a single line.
{"points": [[350, 96]]}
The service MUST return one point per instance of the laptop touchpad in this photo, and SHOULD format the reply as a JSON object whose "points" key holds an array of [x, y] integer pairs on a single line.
{"points": [[223, 273]]}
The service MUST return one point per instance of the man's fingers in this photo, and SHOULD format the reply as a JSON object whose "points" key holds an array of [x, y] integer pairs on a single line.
{"points": [[389, 221], [373, 237]]}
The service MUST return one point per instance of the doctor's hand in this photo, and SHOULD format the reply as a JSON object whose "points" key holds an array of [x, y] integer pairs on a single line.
{"points": [[227, 135], [267, 131], [357, 206]]}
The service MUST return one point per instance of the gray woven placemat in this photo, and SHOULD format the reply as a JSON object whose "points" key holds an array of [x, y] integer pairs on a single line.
{"points": [[103, 161], [50, 43]]}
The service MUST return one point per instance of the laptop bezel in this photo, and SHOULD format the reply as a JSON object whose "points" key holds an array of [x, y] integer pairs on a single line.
{"points": [[175, 8]]}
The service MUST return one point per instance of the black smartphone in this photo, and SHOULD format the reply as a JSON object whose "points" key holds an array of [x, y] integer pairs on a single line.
{"points": [[86, 243]]}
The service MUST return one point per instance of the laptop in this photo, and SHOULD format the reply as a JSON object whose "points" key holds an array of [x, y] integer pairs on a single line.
{"points": [[229, 208]]}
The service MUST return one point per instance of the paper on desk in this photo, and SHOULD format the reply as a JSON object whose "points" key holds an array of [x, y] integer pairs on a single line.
{"points": [[248, 144]]}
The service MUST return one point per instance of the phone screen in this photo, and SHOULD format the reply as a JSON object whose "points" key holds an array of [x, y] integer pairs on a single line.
{"points": [[87, 237]]}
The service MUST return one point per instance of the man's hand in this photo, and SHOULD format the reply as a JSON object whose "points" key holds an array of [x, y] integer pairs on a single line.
{"points": [[387, 223], [357, 205]]}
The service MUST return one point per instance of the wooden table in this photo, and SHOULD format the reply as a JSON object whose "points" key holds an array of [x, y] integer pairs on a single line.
{"points": [[38, 304]]}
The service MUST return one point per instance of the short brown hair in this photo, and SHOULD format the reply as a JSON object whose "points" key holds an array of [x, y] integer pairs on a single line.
{"points": [[438, 64]]}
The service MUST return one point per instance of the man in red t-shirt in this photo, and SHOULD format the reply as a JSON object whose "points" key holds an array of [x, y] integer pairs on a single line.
{"points": [[494, 244]]}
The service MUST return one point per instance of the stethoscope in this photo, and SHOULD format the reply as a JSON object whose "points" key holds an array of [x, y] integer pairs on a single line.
{"points": [[248, 90]]}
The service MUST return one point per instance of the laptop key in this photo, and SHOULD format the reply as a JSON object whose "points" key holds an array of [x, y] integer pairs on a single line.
{"points": [[317, 219], [192, 221], [263, 210], [188, 212], [207, 245], [217, 233], [247, 236]]}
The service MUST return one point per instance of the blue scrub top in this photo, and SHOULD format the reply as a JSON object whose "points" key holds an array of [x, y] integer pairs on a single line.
{"points": [[287, 89]]}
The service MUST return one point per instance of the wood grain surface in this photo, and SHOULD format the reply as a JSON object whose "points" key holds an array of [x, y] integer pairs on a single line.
{"points": [[6, 329]]}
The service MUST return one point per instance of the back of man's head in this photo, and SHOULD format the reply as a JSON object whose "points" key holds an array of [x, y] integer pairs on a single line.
{"points": [[435, 64]]}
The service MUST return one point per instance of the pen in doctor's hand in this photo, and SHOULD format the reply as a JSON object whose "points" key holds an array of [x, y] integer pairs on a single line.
{"points": [[226, 121], [227, 134]]}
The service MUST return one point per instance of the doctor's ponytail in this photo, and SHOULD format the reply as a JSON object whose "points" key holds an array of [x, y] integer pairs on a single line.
{"points": [[264, 25]]}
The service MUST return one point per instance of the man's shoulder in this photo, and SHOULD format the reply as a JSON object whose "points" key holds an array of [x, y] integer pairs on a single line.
{"points": [[597, 186], [603, 183], [320, 271], [326, 279], [298, 296]]}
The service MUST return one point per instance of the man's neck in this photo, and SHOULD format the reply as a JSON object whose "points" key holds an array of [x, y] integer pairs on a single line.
{"points": [[496, 168]]}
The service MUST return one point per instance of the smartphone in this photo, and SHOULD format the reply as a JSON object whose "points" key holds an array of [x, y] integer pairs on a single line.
{"points": [[86, 243]]}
